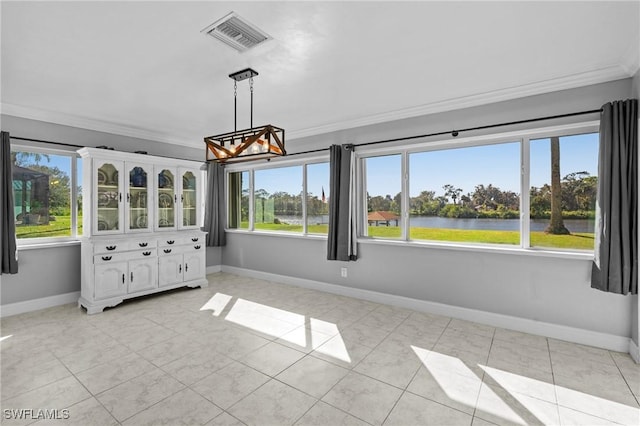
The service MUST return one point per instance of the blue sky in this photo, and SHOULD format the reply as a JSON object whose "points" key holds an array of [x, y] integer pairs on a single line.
{"points": [[464, 168]]}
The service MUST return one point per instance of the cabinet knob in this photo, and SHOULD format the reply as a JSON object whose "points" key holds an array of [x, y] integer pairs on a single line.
{"points": [[170, 242], [143, 244], [110, 248], [194, 239], [146, 253], [167, 251], [197, 247], [106, 258]]}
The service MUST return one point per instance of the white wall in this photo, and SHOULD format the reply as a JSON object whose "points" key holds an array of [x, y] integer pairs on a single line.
{"points": [[51, 271], [547, 289]]}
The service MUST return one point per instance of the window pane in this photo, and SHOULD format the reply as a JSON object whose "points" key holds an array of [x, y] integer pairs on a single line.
{"points": [[42, 194], [278, 199], [318, 198], [79, 194], [466, 194], [572, 163], [238, 200], [384, 191]]}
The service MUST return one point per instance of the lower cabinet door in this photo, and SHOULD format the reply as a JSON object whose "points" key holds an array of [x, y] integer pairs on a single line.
{"points": [[110, 280], [194, 265], [142, 275], [170, 269]]}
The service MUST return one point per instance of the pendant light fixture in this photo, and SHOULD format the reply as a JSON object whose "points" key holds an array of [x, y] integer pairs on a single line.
{"points": [[253, 143]]}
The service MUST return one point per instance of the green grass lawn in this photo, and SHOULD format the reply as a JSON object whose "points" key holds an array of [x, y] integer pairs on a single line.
{"points": [[60, 227], [581, 241]]}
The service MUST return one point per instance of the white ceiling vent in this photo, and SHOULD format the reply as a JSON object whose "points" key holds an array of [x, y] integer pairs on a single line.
{"points": [[236, 32]]}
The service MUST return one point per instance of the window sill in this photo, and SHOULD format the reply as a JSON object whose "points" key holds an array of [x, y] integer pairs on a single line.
{"points": [[519, 251], [49, 244], [277, 234]]}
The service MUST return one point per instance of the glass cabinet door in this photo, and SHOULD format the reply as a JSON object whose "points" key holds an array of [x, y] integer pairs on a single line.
{"points": [[108, 198], [166, 206], [189, 199], [138, 198]]}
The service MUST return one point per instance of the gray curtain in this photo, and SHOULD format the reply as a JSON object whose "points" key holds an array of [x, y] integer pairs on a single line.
{"points": [[214, 213], [7, 221], [342, 239], [615, 267]]}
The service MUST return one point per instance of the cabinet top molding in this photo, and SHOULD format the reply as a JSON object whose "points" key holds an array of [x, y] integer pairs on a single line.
{"points": [[141, 158]]}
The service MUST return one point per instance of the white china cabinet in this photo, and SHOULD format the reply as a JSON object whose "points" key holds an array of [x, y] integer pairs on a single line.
{"points": [[141, 226]]}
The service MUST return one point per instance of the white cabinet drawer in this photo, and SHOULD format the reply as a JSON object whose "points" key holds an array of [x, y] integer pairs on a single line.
{"points": [[125, 256], [171, 250], [110, 247], [115, 246], [177, 240]]}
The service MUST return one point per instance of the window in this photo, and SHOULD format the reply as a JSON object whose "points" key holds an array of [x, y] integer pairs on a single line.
{"points": [[277, 199], [471, 191], [318, 196], [467, 194], [47, 194], [238, 214], [271, 199], [572, 162], [383, 196]]}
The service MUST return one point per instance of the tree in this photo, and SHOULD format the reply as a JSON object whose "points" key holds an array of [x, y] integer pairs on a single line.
{"points": [[556, 224], [26, 159], [451, 191]]}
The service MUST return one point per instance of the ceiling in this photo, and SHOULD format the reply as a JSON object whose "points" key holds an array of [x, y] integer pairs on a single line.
{"points": [[145, 69]]}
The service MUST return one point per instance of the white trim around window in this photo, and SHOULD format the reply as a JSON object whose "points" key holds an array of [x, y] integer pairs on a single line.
{"points": [[73, 238]]}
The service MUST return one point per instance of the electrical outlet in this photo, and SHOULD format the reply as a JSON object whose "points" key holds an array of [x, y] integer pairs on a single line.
{"points": [[343, 272]]}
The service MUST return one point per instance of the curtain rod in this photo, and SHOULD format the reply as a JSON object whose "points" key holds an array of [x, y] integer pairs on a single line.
{"points": [[82, 146], [455, 133]]}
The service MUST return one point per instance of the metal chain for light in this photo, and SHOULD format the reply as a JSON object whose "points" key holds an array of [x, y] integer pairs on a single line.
{"points": [[235, 106], [251, 90]]}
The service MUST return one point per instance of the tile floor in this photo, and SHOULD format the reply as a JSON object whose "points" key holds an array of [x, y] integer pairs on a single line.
{"points": [[246, 351]]}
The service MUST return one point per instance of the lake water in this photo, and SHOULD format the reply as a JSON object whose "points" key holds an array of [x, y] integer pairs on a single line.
{"points": [[573, 225]]}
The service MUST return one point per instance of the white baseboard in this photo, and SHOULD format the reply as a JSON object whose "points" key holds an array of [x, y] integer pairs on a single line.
{"points": [[37, 304], [634, 351], [214, 269], [561, 332]]}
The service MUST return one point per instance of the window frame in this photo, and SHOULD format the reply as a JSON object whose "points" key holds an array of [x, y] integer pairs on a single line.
{"points": [[523, 137], [276, 163], [38, 242]]}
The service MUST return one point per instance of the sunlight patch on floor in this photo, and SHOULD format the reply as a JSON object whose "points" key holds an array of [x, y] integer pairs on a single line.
{"points": [[5, 337], [455, 378], [309, 333], [336, 348], [517, 398], [217, 303]]}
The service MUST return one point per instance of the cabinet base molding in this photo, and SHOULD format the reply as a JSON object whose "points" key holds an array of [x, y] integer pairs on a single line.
{"points": [[98, 306]]}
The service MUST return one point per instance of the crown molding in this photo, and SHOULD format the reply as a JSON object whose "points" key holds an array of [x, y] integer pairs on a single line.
{"points": [[603, 75], [631, 58], [616, 72], [92, 124]]}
